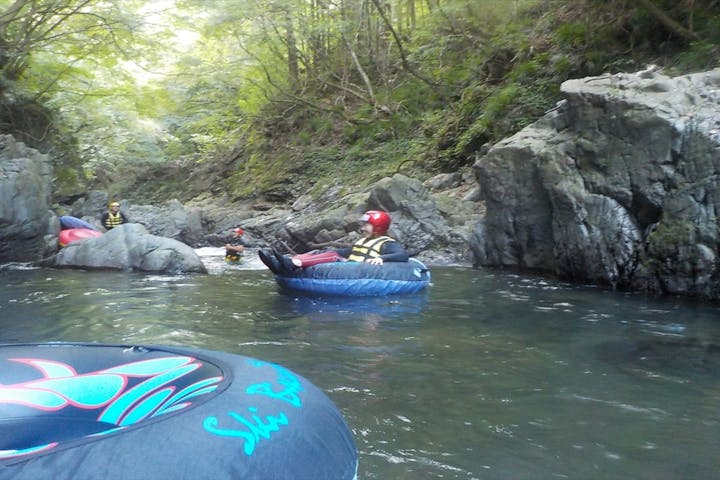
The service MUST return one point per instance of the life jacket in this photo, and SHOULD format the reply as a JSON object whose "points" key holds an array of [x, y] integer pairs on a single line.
{"points": [[232, 256], [113, 221], [368, 247]]}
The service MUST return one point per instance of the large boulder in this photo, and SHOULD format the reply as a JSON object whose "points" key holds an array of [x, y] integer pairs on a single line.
{"points": [[170, 219], [220, 218], [28, 228], [618, 186], [417, 221], [90, 207], [130, 247]]}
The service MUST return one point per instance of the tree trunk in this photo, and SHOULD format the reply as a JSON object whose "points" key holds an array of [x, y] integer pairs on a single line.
{"points": [[667, 21], [292, 54], [403, 57], [411, 14]]}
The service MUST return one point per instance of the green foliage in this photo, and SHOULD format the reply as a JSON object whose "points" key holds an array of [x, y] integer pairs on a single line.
{"points": [[701, 55], [572, 35], [481, 130], [279, 98]]}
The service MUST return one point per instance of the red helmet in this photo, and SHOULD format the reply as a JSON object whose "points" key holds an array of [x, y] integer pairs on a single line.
{"points": [[378, 219], [238, 231]]}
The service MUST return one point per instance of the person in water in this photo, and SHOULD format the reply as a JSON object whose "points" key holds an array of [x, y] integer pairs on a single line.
{"points": [[375, 248], [234, 252], [113, 217]]}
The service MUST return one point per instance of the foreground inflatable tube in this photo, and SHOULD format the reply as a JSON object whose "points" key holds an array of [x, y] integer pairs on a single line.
{"points": [[358, 279], [78, 411]]}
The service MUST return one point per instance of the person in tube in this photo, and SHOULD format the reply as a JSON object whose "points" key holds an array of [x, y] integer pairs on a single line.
{"points": [[234, 251], [375, 248]]}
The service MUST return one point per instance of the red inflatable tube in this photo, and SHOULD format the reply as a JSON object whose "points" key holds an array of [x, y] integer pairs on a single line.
{"points": [[74, 234]]}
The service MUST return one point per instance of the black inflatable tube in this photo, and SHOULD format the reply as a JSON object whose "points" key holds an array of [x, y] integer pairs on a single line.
{"points": [[87, 411], [358, 279]]}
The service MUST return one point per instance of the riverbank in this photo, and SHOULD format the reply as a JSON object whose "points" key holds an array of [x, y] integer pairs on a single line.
{"points": [[617, 186]]}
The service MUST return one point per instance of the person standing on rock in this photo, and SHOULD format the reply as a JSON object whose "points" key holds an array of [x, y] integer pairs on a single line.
{"points": [[113, 217], [374, 248], [234, 252]]}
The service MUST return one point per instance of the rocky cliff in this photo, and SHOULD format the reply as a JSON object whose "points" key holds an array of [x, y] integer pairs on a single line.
{"points": [[28, 229], [619, 185]]}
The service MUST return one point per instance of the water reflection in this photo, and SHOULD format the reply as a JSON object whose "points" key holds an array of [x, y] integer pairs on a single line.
{"points": [[354, 308]]}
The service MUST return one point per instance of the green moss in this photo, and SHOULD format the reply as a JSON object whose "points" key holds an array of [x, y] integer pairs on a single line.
{"points": [[668, 236]]}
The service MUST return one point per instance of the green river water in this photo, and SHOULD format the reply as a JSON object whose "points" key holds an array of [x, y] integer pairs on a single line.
{"points": [[488, 375]]}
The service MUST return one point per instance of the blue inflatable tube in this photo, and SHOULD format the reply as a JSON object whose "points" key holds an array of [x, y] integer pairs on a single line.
{"points": [[67, 222], [358, 279], [109, 412]]}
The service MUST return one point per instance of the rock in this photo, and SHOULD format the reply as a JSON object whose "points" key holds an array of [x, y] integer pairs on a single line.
{"points": [[28, 228], [130, 247], [418, 221], [219, 219], [416, 217], [473, 195], [91, 207], [618, 186], [444, 181], [302, 202], [170, 219]]}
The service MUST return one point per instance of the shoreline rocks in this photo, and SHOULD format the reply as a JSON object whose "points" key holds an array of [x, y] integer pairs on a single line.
{"points": [[619, 186]]}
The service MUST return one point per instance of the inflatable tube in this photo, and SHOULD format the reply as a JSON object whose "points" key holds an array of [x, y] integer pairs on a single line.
{"points": [[66, 222], [358, 279], [66, 237], [82, 411]]}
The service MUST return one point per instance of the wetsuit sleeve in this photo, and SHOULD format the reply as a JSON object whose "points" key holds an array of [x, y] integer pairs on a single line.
{"points": [[103, 218], [393, 252]]}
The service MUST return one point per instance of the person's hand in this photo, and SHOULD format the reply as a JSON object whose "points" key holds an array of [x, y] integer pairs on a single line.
{"points": [[374, 261]]}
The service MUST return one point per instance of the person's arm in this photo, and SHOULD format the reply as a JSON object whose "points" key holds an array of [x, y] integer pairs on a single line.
{"points": [[124, 218], [392, 251], [103, 218]]}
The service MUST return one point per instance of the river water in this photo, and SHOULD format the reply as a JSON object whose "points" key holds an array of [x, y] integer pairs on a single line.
{"points": [[488, 375]]}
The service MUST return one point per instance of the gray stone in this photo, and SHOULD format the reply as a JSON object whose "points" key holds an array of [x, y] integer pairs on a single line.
{"points": [[170, 219], [417, 221], [130, 247], [617, 186], [473, 195], [91, 207], [28, 228], [444, 181]]}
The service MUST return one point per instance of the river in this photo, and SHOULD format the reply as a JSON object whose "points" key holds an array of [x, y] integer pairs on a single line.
{"points": [[488, 375]]}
